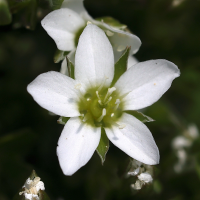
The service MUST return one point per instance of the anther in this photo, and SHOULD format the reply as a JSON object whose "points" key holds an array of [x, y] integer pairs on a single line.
{"points": [[102, 116], [110, 91], [112, 115]]}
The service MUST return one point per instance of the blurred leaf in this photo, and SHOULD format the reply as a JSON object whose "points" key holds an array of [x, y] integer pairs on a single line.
{"points": [[140, 116], [112, 22], [5, 15], [18, 141], [60, 55], [103, 147], [121, 65], [55, 4], [63, 120]]}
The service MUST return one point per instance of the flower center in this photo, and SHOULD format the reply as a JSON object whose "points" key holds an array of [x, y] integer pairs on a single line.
{"points": [[100, 107]]}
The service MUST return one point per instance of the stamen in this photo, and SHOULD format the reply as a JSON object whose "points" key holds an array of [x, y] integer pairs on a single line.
{"points": [[110, 91], [108, 100], [85, 117], [117, 102], [112, 114], [121, 126], [99, 101], [97, 93], [78, 86], [102, 116]]}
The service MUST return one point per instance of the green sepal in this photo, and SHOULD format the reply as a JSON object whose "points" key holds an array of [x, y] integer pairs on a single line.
{"points": [[121, 65], [56, 4], [70, 67], [33, 175], [140, 116], [43, 195], [59, 55], [63, 120], [112, 22], [5, 15], [103, 146]]}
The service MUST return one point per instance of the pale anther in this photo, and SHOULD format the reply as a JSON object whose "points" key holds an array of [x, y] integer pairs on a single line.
{"points": [[109, 33], [88, 22], [121, 126], [110, 91], [78, 86], [120, 48], [102, 116], [112, 115]]}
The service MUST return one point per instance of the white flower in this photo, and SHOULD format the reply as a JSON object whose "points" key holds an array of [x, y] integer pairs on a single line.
{"points": [[32, 188], [92, 102], [67, 23], [145, 177]]}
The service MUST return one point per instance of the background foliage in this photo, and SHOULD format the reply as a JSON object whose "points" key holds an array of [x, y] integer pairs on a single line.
{"points": [[29, 135]]}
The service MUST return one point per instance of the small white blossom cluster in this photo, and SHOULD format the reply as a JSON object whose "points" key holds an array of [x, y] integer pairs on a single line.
{"points": [[143, 172], [32, 188], [181, 143]]}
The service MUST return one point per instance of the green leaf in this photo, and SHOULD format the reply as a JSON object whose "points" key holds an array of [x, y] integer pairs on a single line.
{"points": [[60, 55], [121, 65], [63, 120], [70, 67], [103, 147], [140, 116], [112, 22], [5, 15], [43, 195], [56, 4]]}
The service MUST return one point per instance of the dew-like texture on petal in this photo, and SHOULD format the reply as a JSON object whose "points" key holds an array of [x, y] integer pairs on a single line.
{"points": [[94, 60], [120, 40], [135, 139], [75, 5], [131, 61], [56, 93], [76, 145], [62, 25], [145, 82]]}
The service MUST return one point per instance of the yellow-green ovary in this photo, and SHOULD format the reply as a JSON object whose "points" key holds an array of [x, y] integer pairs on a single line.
{"points": [[100, 107]]}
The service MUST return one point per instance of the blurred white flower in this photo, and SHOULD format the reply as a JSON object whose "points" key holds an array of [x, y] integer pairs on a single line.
{"points": [[92, 103], [67, 23], [32, 188]]}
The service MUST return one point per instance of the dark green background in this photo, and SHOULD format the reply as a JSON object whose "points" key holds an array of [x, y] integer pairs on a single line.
{"points": [[29, 135]]}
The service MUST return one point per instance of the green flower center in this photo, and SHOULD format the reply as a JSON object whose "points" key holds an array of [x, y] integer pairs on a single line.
{"points": [[100, 107]]}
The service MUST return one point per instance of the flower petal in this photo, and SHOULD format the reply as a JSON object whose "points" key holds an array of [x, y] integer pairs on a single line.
{"points": [[135, 139], [62, 25], [56, 93], [131, 61], [144, 83], [75, 5], [94, 60], [120, 39], [76, 145]]}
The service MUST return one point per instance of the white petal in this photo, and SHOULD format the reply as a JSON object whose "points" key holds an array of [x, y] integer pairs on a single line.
{"points": [[132, 61], [75, 5], [64, 70], [76, 145], [134, 139], [120, 39], [56, 93], [94, 60], [146, 82], [62, 25]]}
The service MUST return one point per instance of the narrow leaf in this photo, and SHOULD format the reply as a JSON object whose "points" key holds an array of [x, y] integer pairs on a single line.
{"points": [[60, 55], [121, 65], [5, 15], [70, 67], [112, 22], [103, 147], [140, 116], [63, 120]]}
